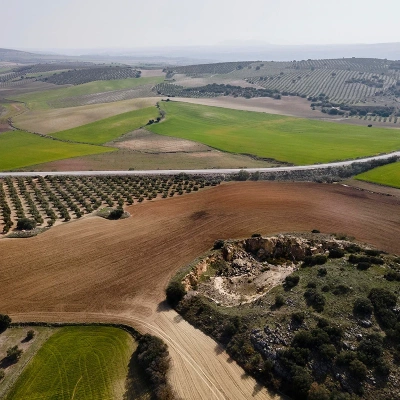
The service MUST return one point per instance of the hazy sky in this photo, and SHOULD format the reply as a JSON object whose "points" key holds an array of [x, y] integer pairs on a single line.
{"points": [[44, 24]]}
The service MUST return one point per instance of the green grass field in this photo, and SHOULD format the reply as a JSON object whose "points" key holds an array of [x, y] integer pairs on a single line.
{"points": [[388, 175], [111, 128], [41, 100], [21, 149], [295, 140], [80, 363]]}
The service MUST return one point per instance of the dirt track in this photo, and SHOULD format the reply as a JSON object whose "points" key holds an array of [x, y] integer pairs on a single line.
{"points": [[117, 270]]}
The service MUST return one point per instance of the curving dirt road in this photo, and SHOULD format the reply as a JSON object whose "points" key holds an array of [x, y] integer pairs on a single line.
{"points": [[99, 270]]}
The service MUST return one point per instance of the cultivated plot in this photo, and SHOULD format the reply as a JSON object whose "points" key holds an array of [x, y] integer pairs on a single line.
{"points": [[78, 363], [388, 175], [19, 149], [293, 140]]}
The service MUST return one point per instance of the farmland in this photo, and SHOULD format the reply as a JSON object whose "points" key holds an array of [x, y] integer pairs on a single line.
{"points": [[118, 269], [292, 140], [80, 363], [108, 129], [60, 199], [388, 175], [60, 119], [14, 152], [46, 99]]}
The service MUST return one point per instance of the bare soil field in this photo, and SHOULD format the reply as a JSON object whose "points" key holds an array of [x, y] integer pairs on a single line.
{"points": [[28, 87], [372, 187], [125, 159], [146, 73], [54, 120], [149, 142], [100, 270]]}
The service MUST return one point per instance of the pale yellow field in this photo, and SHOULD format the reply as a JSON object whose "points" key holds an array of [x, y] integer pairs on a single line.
{"points": [[54, 120]]}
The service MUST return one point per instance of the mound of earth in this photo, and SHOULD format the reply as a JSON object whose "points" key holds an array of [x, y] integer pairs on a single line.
{"points": [[245, 270]]}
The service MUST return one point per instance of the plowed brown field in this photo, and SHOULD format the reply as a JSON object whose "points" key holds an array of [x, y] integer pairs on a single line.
{"points": [[100, 270]]}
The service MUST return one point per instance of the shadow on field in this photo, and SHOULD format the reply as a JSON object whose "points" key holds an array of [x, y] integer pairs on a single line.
{"points": [[6, 362], [136, 384]]}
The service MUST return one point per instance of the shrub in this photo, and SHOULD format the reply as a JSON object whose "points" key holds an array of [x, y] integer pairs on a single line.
{"points": [[318, 392], [318, 259], [336, 253], [370, 349], [392, 276], [358, 370], [341, 289], [256, 235], [315, 299], [363, 307], [322, 271], [2, 374], [327, 351], [363, 266], [218, 244], [291, 281], [301, 382], [116, 214], [279, 300], [382, 368], [30, 334], [298, 317], [315, 231], [5, 322], [14, 354], [175, 293], [382, 298], [325, 288], [26, 224], [345, 358], [311, 285]]}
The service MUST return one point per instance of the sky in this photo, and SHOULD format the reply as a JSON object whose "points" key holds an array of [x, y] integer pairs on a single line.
{"points": [[84, 24]]}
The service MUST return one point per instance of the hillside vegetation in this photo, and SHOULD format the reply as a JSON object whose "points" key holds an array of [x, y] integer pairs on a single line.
{"points": [[311, 315]]}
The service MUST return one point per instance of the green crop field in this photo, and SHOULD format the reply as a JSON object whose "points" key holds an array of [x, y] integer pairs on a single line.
{"points": [[111, 128], [20, 149], [84, 363], [294, 140], [42, 100], [388, 175]]}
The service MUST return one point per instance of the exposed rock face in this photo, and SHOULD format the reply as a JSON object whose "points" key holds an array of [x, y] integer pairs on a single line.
{"points": [[246, 269]]}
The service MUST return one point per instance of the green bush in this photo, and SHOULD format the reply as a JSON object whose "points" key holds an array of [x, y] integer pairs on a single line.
{"points": [[318, 259], [315, 299], [279, 300], [370, 349], [175, 292], [336, 253], [298, 317], [322, 271], [363, 307], [345, 358], [382, 298], [116, 214], [26, 224], [327, 351], [291, 281], [358, 370], [14, 354]]}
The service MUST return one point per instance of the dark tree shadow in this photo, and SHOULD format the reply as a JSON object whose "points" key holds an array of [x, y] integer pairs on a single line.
{"points": [[6, 362], [163, 306], [136, 383]]}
